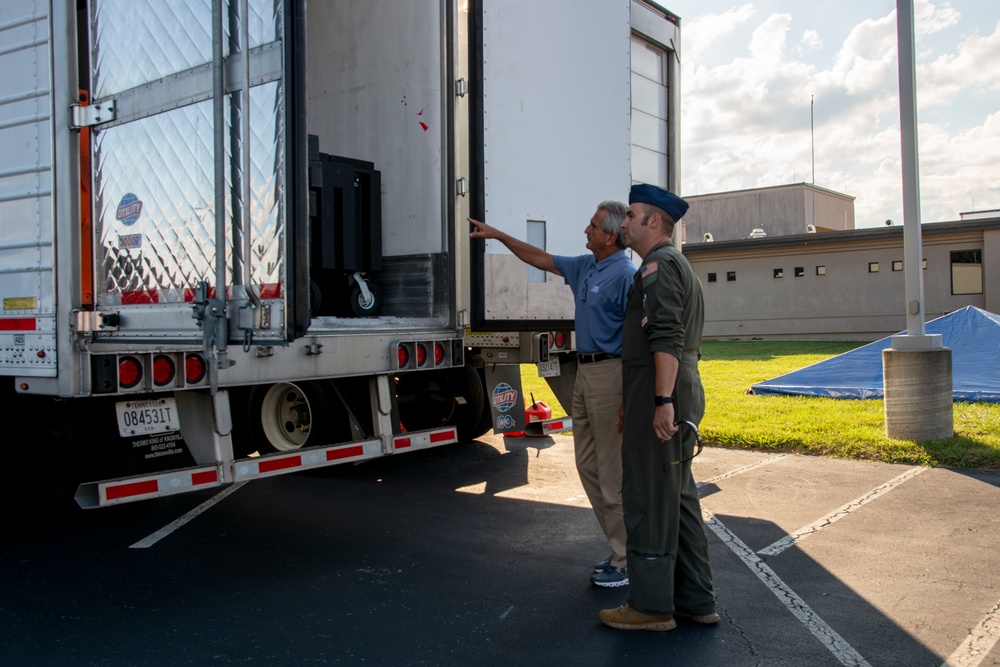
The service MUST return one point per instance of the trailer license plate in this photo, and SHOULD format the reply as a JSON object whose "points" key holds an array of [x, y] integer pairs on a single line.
{"points": [[147, 417], [549, 369]]}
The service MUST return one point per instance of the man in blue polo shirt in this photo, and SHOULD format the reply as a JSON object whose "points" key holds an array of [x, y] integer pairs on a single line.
{"points": [[600, 283]]}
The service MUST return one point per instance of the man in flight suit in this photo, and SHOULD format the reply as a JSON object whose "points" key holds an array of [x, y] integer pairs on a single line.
{"points": [[669, 570]]}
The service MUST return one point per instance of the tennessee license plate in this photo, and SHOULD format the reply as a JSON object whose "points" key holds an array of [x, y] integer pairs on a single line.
{"points": [[146, 417], [549, 369]]}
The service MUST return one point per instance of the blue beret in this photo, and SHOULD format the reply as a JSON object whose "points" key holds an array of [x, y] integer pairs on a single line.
{"points": [[644, 193]]}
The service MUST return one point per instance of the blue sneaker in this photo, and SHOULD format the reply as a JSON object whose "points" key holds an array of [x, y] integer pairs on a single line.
{"points": [[604, 564], [613, 577]]}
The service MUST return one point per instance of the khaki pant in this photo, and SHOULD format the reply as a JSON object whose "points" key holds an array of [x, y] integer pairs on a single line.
{"points": [[598, 444]]}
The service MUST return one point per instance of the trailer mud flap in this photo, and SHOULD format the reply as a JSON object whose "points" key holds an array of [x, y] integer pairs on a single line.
{"points": [[506, 398]]}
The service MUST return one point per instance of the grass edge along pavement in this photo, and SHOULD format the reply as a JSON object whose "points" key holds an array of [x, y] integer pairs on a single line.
{"points": [[837, 428]]}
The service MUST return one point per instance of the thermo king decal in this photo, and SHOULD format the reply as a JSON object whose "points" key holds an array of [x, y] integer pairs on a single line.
{"points": [[129, 209], [504, 397]]}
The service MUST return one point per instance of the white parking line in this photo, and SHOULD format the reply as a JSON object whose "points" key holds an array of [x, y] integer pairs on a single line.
{"points": [[147, 542], [838, 514], [737, 471], [827, 636], [979, 643]]}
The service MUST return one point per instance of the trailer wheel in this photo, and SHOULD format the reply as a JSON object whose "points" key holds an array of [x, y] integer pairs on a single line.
{"points": [[362, 307], [485, 422], [430, 399], [287, 416]]}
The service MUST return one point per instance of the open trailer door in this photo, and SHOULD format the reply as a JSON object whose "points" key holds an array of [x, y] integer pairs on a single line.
{"points": [[573, 105], [197, 157], [550, 123]]}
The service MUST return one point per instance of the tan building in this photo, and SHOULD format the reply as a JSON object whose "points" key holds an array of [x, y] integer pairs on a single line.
{"points": [[781, 210], [842, 285]]}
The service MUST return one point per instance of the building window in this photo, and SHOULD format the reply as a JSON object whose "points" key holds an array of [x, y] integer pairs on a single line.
{"points": [[711, 277], [872, 267], [897, 265], [731, 276], [821, 270], [967, 272], [779, 273], [800, 271]]}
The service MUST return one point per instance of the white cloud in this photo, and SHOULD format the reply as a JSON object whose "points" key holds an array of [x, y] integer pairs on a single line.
{"points": [[929, 19], [810, 41], [746, 115], [701, 33], [975, 66]]}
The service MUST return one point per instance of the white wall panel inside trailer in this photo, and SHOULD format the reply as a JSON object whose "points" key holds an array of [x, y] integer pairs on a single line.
{"points": [[374, 82], [557, 141]]}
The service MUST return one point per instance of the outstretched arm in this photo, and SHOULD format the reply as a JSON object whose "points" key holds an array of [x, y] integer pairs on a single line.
{"points": [[526, 252]]}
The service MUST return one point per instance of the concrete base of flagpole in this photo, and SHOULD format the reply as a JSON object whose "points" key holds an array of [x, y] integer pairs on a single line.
{"points": [[918, 394]]}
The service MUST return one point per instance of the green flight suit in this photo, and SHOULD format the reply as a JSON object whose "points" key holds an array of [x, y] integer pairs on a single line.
{"points": [[667, 549]]}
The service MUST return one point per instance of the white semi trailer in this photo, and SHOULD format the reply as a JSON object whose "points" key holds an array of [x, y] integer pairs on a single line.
{"points": [[318, 160]]}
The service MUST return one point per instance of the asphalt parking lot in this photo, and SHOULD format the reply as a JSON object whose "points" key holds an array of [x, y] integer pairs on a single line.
{"points": [[480, 553]]}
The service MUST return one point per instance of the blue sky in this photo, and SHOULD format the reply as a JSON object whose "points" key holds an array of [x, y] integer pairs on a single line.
{"points": [[748, 70]]}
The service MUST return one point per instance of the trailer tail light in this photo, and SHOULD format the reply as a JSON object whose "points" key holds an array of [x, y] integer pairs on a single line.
{"points": [[420, 354], [195, 368], [129, 372], [164, 370], [560, 339]]}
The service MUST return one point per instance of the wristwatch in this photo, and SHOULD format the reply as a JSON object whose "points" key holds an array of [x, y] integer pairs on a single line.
{"points": [[664, 400]]}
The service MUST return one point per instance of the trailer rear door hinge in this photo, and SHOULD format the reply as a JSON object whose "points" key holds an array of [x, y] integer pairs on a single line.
{"points": [[461, 88], [462, 187], [92, 114]]}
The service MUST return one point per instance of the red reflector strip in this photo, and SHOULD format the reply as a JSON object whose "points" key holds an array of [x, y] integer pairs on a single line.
{"points": [[555, 425], [133, 489], [402, 443], [141, 296], [279, 464], [207, 477], [444, 435], [344, 452], [18, 324], [270, 290]]}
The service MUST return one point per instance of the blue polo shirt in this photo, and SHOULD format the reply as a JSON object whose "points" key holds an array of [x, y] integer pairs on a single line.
{"points": [[600, 292]]}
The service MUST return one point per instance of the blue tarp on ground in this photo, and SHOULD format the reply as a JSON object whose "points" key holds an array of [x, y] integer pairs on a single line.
{"points": [[972, 334]]}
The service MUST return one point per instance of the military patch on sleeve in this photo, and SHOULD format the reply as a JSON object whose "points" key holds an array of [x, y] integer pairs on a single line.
{"points": [[648, 273]]}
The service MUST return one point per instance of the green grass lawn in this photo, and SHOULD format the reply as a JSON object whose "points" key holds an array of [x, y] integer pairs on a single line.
{"points": [[840, 428]]}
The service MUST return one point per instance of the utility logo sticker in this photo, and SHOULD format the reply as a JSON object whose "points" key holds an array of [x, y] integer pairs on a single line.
{"points": [[129, 209], [504, 397]]}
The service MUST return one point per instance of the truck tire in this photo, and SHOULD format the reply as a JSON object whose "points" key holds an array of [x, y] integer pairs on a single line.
{"points": [[485, 422], [445, 397], [287, 416]]}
